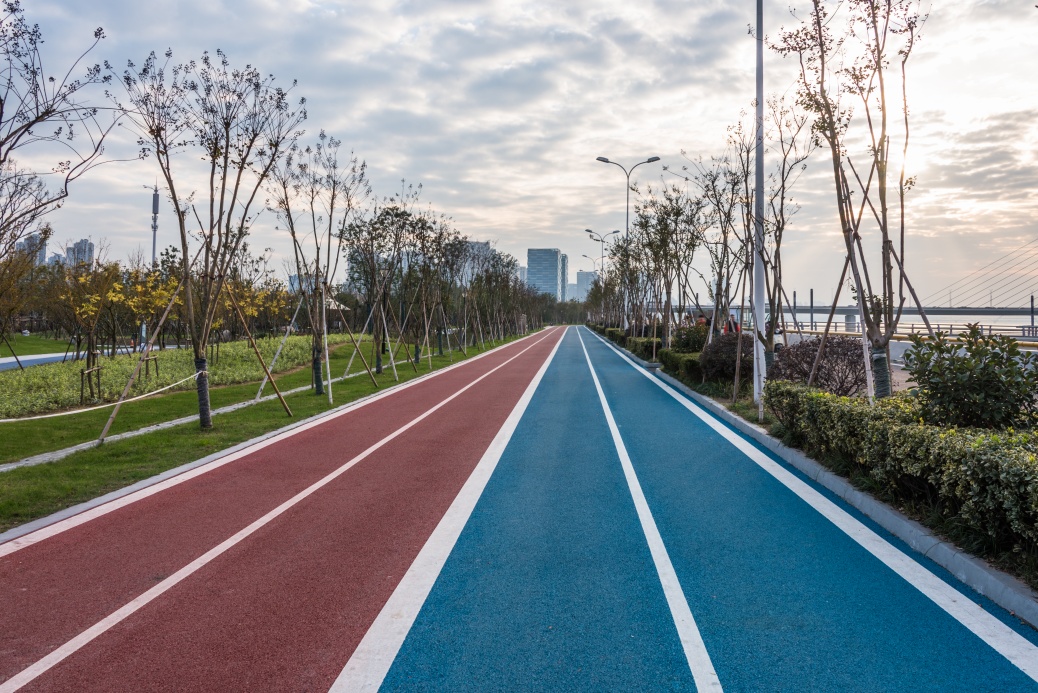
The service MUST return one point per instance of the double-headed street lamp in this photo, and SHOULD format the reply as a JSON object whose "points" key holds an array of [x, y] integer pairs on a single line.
{"points": [[627, 228], [601, 280]]}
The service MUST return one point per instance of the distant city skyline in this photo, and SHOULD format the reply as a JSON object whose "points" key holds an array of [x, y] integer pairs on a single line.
{"points": [[499, 110]]}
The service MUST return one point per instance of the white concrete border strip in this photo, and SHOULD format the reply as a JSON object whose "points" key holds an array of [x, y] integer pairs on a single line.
{"points": [[40, 667], [698, 658], [371, 661], [38, 530], [1003, 639]]}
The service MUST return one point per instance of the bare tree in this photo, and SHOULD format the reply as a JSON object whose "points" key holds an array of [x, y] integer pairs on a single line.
{"points": [[316, 199], [239, 124], [855, 63], [44, 113]]}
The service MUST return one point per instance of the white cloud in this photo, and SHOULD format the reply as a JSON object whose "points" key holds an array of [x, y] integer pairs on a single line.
{"points": [[500, 108]]}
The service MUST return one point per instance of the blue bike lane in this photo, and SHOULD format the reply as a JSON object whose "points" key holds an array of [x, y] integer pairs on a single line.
{"points": [[619, 541], [784, 598], [550, 585]]}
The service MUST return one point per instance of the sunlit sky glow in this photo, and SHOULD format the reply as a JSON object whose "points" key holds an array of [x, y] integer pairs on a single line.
{"points": [[499, 109]]}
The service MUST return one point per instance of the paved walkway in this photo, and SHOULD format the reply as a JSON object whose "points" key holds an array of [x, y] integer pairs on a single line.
{"points": [[546, 517]]}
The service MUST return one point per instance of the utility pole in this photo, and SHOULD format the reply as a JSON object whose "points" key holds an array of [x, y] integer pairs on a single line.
{"points": [[759, 364], [154, 225]]}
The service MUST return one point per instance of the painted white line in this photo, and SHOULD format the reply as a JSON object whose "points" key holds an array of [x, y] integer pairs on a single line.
{"points": [[43, 665], [1003, 639], [691, 640], [370, 662], [94, 513]]}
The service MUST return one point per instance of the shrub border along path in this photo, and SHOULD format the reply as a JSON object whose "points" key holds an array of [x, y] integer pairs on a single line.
{"points": [[1001, 588]]}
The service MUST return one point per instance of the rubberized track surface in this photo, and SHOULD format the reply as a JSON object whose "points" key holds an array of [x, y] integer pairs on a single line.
{"points": [[564, 523]]}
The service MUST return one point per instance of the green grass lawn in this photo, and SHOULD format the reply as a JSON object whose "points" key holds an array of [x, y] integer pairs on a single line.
{"points": [[28, 493], [33, 344]]}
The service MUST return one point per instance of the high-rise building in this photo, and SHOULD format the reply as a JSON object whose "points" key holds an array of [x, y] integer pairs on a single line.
{"points": [[544, 270], [56, 259], [80, 253], [584, 282], [522, 273], [572, 294], [35, 245], [564, 278]]}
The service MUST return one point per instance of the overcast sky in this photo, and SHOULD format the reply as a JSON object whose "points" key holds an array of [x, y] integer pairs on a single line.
{"points": [[500, 107]]}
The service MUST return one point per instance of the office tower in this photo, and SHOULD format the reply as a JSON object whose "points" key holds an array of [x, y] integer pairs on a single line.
{"points": [[584, 282], [80, 253], [544, 270], [564, 278]]}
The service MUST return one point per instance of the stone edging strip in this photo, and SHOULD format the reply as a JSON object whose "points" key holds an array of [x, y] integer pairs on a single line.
{"points": [[1011, 594]]}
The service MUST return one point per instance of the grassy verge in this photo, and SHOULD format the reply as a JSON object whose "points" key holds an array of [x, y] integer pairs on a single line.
{"points": [[29, 493], [31, 345], [28, 438]]}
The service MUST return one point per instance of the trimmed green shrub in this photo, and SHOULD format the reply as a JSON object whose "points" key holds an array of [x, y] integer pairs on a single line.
{"points": [[841, 372], [642, 347], [690, 340], [718, 358], [615, 334], [985, 481], [684, 367], [978, 380]]}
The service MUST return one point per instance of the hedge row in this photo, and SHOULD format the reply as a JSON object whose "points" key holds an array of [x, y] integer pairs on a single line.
{"points": [[683, 366], [985, 480]]}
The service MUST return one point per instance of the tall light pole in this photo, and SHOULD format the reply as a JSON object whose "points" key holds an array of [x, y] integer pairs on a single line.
{"points": [[759, 364], [601, 283], [601, 239], [627, 226]]}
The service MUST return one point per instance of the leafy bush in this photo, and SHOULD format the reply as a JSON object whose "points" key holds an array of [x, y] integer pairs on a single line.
{"points": [[985, 481], [689, 340], [52, 386], [718, 357], [841, 371], [642, 347], [683, 366], [982, 381], [617, 335]]}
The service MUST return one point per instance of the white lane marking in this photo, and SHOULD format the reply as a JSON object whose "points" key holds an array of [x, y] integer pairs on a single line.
{"points": [[691, 640], [43, 665], [1003, 639], [371, 661], [94, 513]]}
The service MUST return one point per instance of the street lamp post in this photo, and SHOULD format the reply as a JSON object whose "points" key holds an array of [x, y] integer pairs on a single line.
{"points": [[598, 273], [627, 228], [601, 240]]}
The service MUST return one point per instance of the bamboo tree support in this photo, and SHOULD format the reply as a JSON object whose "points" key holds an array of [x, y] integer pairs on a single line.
{"points": [[137, 368], [738, 338], [428, 349], [918, 303], [356, 350], [399, 341], [392, 361], [870, 383], [324, 332], [255, 348], [446, 332], [281, 346], [11, 347], [828, 325]]}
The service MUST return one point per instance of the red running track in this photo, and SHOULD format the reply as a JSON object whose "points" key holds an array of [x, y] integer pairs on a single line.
{"points": [[284, 608]]}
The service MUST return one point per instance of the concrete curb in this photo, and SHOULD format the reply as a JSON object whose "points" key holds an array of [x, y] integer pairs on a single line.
{"points": [[1003, 589]]}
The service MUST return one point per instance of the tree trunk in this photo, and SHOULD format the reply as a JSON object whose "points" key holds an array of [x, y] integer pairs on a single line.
{"points": [[316, 367], [881, 372], [205, 417]]}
